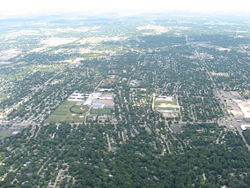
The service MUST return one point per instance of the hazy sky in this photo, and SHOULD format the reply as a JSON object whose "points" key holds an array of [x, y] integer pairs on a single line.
{"points": [[25, 7]]}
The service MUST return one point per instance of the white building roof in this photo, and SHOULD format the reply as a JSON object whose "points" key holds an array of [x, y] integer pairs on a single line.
{"points": [[244, 127]]}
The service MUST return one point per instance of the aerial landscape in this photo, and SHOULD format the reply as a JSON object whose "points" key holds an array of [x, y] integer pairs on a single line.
{"points": [[152, 100]]}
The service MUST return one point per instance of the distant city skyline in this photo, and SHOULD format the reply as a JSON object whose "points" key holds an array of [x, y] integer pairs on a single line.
{"points": [[14, 8]]}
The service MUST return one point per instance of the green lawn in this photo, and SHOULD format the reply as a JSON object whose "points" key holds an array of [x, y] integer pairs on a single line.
{"points": [[5, 134], [64, 113], [3, 97], [79, 109], [100, 111], [46, 68], [168, 103], [2, 156]]}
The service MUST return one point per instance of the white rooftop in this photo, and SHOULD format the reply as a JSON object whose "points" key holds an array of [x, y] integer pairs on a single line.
{"points": [[244, 127]]}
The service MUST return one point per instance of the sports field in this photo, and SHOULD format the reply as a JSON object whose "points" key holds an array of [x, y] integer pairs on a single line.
{"points": [[166, 105], [68, 112]]}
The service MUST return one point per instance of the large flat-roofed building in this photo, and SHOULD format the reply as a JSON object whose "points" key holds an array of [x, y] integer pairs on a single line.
{"points": [[91, 97], [77, 97], [245, 127], [244, 106]]}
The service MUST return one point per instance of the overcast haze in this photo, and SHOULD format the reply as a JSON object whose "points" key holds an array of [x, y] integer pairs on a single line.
{"points": [[27, 7]]}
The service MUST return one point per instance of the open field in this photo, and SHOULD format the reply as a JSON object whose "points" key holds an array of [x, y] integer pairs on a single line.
{"points": [[3, 97], [5, 133], [167, 106], [65, 113], [46, 68], [100, 111], [76, 109], [171, 106]]}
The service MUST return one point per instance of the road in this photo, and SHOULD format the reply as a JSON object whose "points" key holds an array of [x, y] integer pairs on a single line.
{"points": [[229, 122]]}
